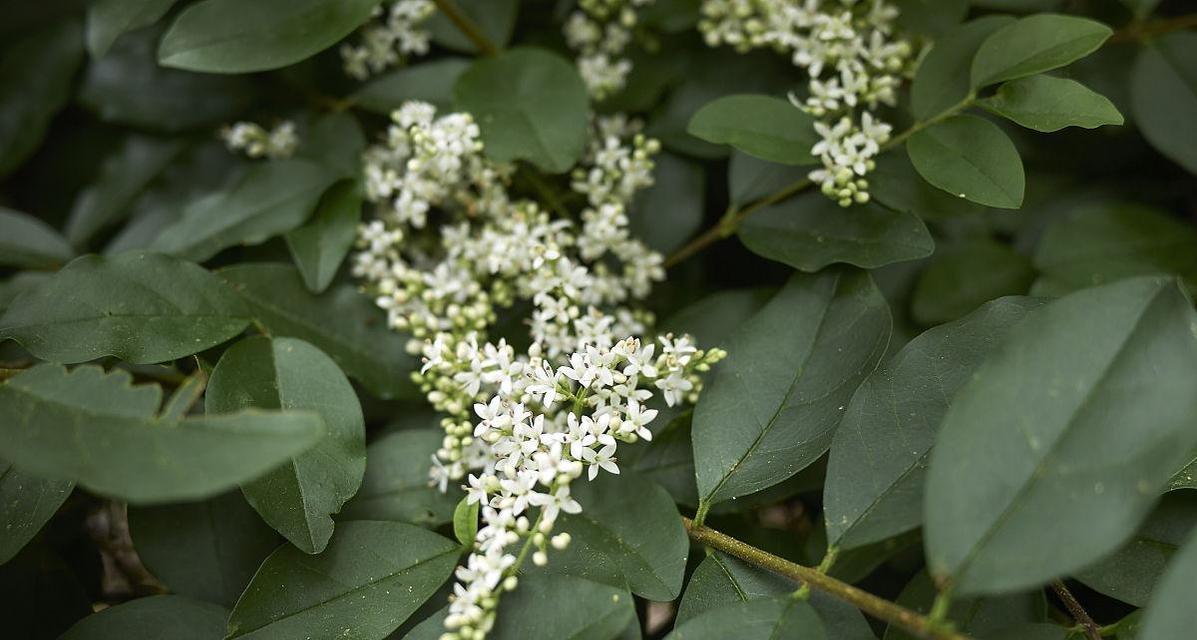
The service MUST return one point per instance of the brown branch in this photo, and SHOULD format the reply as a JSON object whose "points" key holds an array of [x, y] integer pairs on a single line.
{"points": [[879, 608], [1091, 628]]}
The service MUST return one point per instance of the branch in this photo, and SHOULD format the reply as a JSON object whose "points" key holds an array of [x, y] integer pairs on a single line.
{"points": [[879, 608], [468, 27], [1091, 628], [1144, 30]]}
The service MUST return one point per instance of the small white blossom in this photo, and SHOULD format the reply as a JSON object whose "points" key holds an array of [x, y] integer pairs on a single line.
{"points": [[257, 142]]}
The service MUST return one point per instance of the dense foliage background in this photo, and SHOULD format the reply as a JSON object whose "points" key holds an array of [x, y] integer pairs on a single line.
{"points": [[972, 394]]}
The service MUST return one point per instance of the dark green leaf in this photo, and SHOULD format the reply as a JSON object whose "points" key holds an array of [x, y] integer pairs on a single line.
{"points": [[771, 408], [629, 534], [930, 17], [1186, 478], [35, 82], [371, 577], [964, 276], [465, 523], [123, 177], [205, 550], [1101, 243], [750, 178], [874, 488], [27, 242], [942, 80], [1141, 8], [813, 231], [1131, 573], [972, 158], [495, 18], [334, 140], [1171, 613], [713, 319], [530, 104], [230, 36], [396, 485], [1048, 104], [760, 619], [1035, 44], [1164, 96], [98, 430], [1061, 441], [762, 126], [271, 198], [175, 617], [341, 322], [139, 307], [299, 497], [428, 81], [26, 503], [550, 607], [320, 246], [666, 214], [1031, 631], [975, 616], [895, 184], [108, 19]]}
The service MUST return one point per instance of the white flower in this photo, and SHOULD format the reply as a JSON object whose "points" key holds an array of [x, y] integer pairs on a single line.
{"points": [[257, 142]]}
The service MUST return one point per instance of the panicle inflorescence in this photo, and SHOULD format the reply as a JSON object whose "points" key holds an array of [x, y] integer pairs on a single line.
{"points": [[396, 33], [257, 142], [855, 63], [600, 31]]}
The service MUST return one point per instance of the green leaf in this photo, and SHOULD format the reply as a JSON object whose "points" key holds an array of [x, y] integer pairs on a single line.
{"points": [[1048, 104], [230, 36], [1171, 614], [372, 576], [29, 243], [813, 231], [139, 307], [761, 619], [96, 429], [713, 319], [977, 617], [1061, 441], [530, 105], [722, 579], [396, 484], [341, 322], [972, 158], [750, 178], [1035, 44], [35, 82], [206, 550], [549, 607], [771, 408], [964, 276], [28, 503], [942, 80], [428, 81], [123, 177], [666, 214], [874, 487], [299, 497], [465, 522], [930, 17], [1141, 8], [1131, 573], [629, 534], [762, 126], [1106, 242], [1164, 96], [1186, 478], [271, 198], [495, 18], [320, 246], [175, 617], [108, 19], [128, 87], [334, 140], [1032, 631], [895, 184]]}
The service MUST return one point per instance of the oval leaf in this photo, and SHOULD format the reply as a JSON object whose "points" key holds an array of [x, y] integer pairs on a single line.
{"points": [[1048, 104], [372, 576], [762, 126], [942, 80], [530, 105], [175, 617], [763, 619], [972, 158], [1164, 96], [231, 36], [29, 243], [1035, 44], [1062, 440], [396, 484], [1171, 613], [964, 276], [108, 19], [29, 502], [771, 408], [320, 246], [140, 307]]}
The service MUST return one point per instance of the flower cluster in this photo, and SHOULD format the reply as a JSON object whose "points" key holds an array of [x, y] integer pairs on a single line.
{"points": [[545, 429], [389, 40], [600, 31], [576, 276], [855, 64], [257, 142]]}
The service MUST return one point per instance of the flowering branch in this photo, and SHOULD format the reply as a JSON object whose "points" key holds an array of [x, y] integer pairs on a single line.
{"points": [[879, 608], [467, 27]]}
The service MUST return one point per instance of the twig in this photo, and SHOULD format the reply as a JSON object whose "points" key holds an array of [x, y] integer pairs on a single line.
{"points": [[1143, 30], [467, 27], [879, 608], [1091, 628]]}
